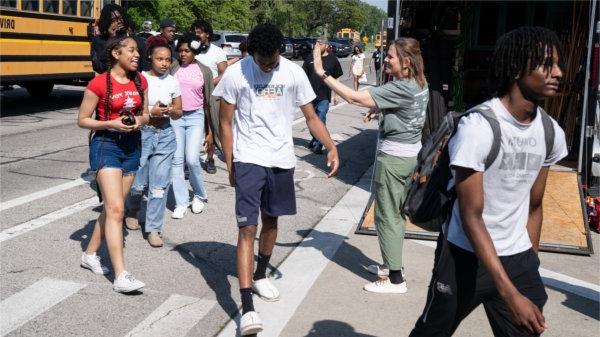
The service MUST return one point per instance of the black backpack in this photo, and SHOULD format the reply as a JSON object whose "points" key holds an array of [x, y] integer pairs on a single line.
{"points": [[428, 200]]}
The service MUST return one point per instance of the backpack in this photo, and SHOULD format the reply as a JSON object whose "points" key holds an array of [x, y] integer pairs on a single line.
{"points": [[428, 200]]}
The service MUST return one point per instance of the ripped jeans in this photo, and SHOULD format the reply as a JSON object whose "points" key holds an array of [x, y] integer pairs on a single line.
{"points": [[158, 147]]}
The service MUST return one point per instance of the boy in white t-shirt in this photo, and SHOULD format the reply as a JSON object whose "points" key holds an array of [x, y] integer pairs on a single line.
{"points": [[263, 91], [488, 253]]}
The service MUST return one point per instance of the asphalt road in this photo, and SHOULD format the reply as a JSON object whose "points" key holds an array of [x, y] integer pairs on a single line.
{"points": [[48, 212]]}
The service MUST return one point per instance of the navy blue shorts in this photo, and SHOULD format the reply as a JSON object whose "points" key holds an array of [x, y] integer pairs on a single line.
{"points": [[110, 149], [268, 189]]}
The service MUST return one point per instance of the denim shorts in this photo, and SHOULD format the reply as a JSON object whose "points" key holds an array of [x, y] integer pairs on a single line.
{"points": [[269, 189], [110, 149]]}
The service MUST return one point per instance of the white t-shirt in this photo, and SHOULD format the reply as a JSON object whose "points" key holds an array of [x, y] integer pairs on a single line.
{"points": [[507, 182], [397, 149], [262, 132], [163, 89], [213, 56]]}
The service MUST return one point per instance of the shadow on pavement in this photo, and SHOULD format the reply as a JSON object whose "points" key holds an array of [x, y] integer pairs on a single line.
{"points": [[347, 256], [330, 328], [357, 154], [18, 102], [578, 303]]}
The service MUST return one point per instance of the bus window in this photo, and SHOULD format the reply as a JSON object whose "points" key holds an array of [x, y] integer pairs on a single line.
{"points": [[69, 7], [8, 3], [51, 6], [30, 5], [86, 8]]}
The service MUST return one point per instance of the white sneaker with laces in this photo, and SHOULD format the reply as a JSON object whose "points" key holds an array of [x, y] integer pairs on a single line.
{"points": [[179, 212], [250, 324], [197, 205], [92, 262], [379, 270], [265, 290], [385, 286], [126, 283]]}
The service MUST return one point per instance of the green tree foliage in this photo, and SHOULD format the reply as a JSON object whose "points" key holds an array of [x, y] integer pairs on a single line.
{"points": [[294, 17]]}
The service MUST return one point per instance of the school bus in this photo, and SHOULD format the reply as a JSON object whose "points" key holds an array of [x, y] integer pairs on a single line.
{"points": [[45, 42], [348, 33], [378, 40]]}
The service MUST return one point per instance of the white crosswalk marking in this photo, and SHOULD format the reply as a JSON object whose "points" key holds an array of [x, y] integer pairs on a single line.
{"points": [[32, 301], [25, 227], [174, 318]]}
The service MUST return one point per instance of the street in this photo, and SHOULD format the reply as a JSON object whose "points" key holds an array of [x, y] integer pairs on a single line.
{"points": [[48, 211]]}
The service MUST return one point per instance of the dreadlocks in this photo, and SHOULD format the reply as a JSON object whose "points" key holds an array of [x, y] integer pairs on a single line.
{"points": [[518, 52], [112, 44]]}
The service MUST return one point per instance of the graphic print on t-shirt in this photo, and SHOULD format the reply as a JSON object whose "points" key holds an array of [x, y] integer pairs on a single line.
{"points": [[519, 167], [269, 91]]}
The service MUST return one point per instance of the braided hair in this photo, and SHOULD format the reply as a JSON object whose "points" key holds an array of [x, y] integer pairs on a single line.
{"points": [[520, 51], [112, 44]]}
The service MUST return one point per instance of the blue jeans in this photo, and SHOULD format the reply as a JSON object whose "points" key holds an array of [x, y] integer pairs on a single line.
{"points": [[158, 147], [321, 108], [189, 131]]}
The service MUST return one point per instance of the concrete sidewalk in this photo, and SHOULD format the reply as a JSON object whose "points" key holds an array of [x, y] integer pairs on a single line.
{"points": [[337, 306]]}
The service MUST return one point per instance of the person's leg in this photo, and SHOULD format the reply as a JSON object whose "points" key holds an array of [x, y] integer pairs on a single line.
{"points": [[160, 179], [321, 109], [523, 270], [355, 83], [97, 234], [391, 178], [245, 262], [268, 235], [180, 190], [194, 135], [451, 290], [132, 203], [378, 74]]}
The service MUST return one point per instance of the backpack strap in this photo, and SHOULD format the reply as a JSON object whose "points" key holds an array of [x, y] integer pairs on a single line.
{"points": [[548, 131], [490, 116]]}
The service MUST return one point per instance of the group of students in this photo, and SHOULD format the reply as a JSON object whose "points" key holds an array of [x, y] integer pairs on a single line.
{"points": [[487, 252]]}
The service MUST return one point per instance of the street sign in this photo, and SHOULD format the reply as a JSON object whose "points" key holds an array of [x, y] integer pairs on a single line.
{"points": [[390, 23]]}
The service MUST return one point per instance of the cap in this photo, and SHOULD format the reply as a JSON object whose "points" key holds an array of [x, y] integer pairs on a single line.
{"points": [[167, 23]]}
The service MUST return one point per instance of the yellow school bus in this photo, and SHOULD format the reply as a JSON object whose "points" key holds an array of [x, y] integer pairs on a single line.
{"points": [[44, 42], [378, 40], [348, 33]]}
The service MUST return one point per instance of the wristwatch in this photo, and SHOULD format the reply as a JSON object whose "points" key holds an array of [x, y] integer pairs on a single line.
{"points": [[325, 75]]}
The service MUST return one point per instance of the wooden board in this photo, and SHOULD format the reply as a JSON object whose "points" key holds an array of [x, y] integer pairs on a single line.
{"points": [[563, 229]]}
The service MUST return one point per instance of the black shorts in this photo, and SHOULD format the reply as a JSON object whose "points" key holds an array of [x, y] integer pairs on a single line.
{"points": [[269, 189], [459, 284]]}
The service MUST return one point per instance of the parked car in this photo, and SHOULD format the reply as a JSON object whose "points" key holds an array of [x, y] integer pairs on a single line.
{"points": [[349, 42], [229, 41], [340, 49], [304, 46], [287, 50]]}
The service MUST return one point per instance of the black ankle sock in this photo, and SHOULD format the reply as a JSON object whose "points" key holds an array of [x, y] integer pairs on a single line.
{"points": [[247, 304], [396, 276], [261, 266]]}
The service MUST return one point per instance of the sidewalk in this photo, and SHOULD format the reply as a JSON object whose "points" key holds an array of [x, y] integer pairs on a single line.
{"points": [[321, 286]]}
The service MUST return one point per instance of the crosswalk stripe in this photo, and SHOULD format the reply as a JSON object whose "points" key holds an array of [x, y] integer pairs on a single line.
{"points": [[173, 318], [25, 227], [32, 301]]}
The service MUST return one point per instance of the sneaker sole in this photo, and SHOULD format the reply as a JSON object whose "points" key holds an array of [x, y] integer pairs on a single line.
{"points": [[127, 290], [197, 212], [85, 266], [251, 330], [267, 299], [385, 291]]}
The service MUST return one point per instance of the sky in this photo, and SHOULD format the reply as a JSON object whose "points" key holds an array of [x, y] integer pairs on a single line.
{"points": [[382, 4]]}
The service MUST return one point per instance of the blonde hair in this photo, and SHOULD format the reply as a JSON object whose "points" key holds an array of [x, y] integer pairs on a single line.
{"points": [[410, 48]]}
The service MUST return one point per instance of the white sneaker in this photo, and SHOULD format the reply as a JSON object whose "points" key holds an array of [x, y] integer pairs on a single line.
{"points": [[250, 324], [92, 262], [126, 283], [197, 205], [179, 212], [265, 290], [379, 270], [385, 286]]}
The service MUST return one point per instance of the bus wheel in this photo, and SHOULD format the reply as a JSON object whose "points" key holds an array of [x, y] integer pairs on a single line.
{"points": [[39, 89]]}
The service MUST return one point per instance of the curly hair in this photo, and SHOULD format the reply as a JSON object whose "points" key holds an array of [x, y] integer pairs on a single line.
{"points": [[205, 26], [154, 42], [118, 42], [520, 51], [265, 40], [191, 40], [106, 18]]}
